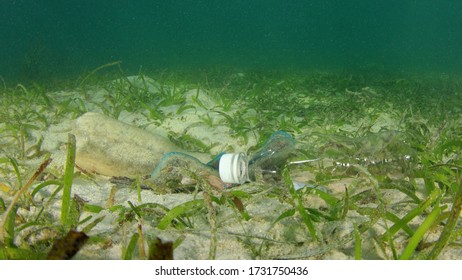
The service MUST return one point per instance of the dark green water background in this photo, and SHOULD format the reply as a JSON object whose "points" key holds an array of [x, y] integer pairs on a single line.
{"points": [[51, 38]]}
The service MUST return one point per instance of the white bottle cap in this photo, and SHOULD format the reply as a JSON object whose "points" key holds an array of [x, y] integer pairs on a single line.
{"points": [[233, 168]]}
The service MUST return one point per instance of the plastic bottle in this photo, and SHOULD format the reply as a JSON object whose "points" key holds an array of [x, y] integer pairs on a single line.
{"points": [[237, 168]]}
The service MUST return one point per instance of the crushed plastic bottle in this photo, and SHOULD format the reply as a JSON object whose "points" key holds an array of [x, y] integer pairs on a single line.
{"points": [[178, 168]]}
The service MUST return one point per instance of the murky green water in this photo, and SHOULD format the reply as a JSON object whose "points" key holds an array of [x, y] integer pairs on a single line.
{"points": [[47, 39]]}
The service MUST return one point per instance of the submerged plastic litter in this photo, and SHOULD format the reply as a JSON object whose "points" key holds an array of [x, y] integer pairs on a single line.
{"points": [[272, 155], [114, 148], [178, 168]]}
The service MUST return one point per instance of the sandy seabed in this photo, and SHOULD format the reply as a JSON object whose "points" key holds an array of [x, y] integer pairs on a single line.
{"points": [[272, 230]]}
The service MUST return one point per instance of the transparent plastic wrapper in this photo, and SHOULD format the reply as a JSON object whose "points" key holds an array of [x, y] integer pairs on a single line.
{"points": [[114, 148]]}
